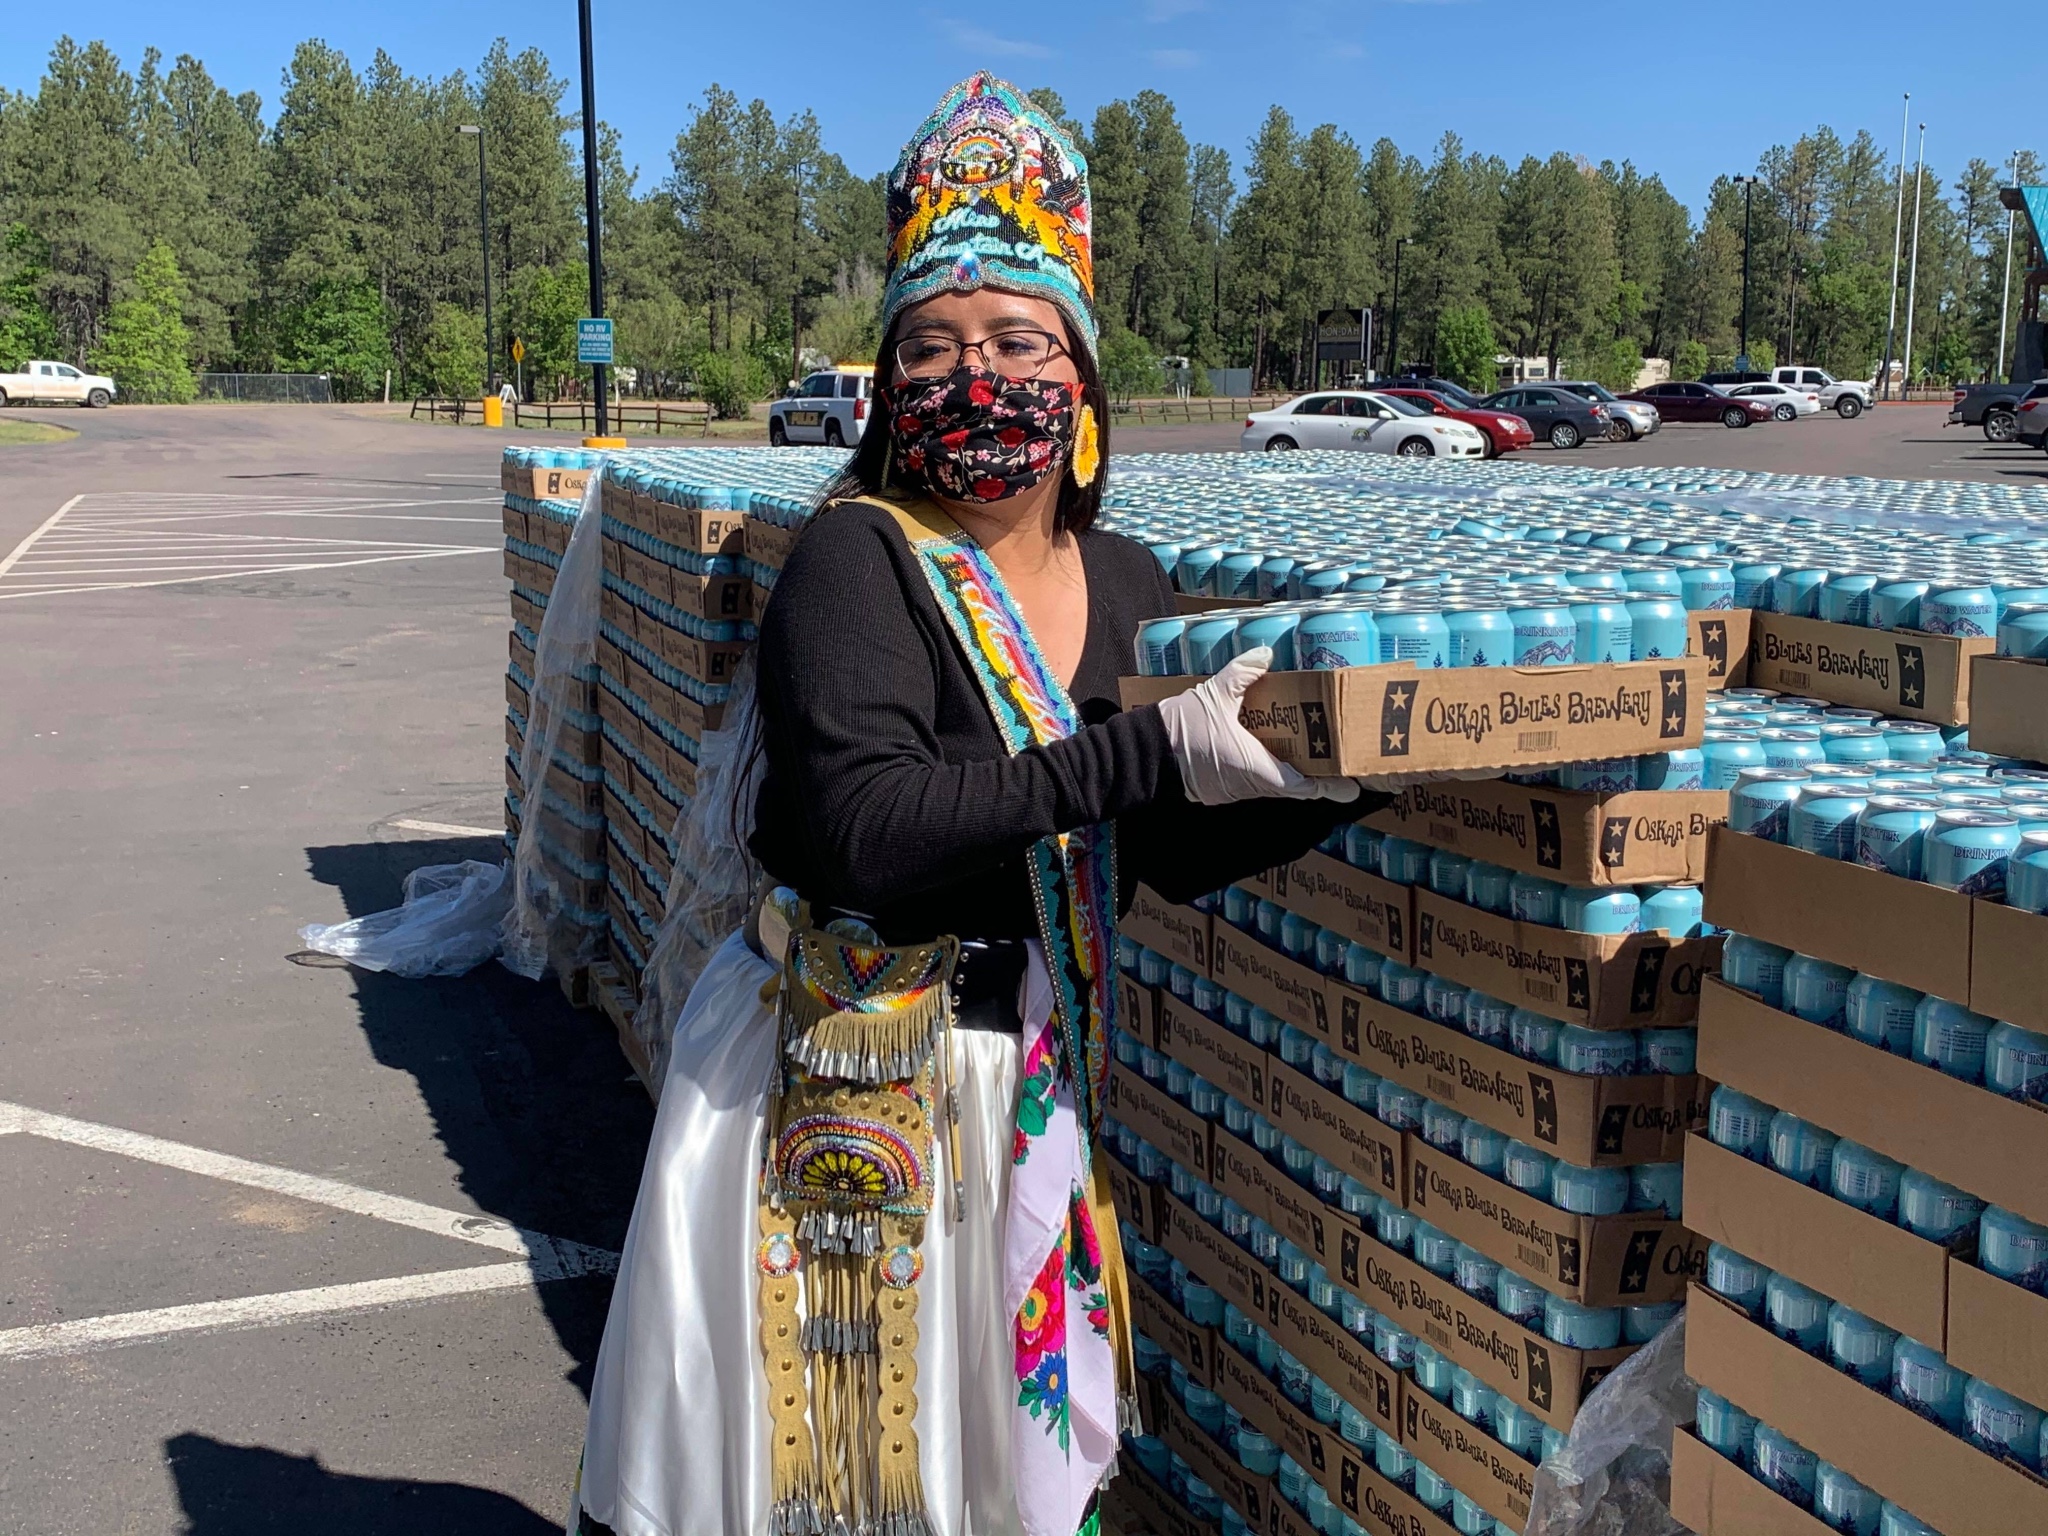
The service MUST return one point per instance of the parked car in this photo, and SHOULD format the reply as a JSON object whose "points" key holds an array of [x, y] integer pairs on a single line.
{"points": [[1786, 402], [1847, 398], [1559, 417], [1365, 421], [1628, 419], [41, 383], [1994, 407], [829, 407], [2033, 418], [1701, 402], [1450, 389], [1503, 433]]}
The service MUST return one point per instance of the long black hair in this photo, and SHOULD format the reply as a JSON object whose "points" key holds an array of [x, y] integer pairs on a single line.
{"points": [[1078, 504]]}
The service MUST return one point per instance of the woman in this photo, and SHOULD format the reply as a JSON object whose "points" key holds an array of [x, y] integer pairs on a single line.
{"points": [[912, 1242]]}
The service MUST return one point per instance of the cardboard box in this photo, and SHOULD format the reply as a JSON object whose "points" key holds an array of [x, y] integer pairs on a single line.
{"points": [[769, 545], [1242, 1385], [708, 661], [1552, 1379], [1596, 1122], [1998, 1331], [1630, 1260], [709, 597], [1960, 1133], [1238, 1171], [1383, 1508], [1137, 1008], [1715, 1497], [1171, 1127], [1163, 1323], [1223, 1266], [2009, 706], [1875, 921], [1602, 981], [1212, 1052], [1328, 892], [700, 530], [1368, 1149], [1860, 1260], [1906, 672], [1136, 1201], [2009, 964], [547, 484], [1361, 1377], [1721, 636], [1249, 1495], [1398, 719], [1563, 834], [1134, 1502], [1177, 932], [1937, 1476], [1267, 979], [1466, 1456]]}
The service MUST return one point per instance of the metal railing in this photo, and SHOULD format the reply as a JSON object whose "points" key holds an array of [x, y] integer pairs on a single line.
{"points": [[656, 418], [268, 388], [1141, 413]]}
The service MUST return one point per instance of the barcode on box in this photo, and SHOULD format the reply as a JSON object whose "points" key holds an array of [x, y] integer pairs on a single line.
{"points": [[1542, 991], [1796, 679], [1535, 741]]}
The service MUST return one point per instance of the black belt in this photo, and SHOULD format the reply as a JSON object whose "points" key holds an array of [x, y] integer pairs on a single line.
{"points": [[986, 980]]}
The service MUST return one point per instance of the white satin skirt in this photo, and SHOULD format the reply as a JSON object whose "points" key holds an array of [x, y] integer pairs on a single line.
{"points": [[679, 1428]]}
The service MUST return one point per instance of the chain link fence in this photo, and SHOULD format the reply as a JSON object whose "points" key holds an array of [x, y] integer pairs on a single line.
{"points": [[268, 388]]}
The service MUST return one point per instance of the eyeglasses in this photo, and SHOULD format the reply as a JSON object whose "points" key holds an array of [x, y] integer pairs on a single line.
{"points": [[1016, 354]]}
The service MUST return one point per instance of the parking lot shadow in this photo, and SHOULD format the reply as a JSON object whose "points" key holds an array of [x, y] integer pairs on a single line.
{"points": [[252, 1490], [532, 1098]]}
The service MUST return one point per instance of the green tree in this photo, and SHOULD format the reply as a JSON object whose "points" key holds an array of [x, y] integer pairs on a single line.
{"points": [[1689, 361], [146, 348], [451, 358], [26, 329], [1465, 348], [731, 381], [337, 329], [1130, 367]]}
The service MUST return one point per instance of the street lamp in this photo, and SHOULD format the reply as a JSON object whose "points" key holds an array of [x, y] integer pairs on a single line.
{"points": [[594, 227], [1748, 185], [1394, 330], [483, 228]]}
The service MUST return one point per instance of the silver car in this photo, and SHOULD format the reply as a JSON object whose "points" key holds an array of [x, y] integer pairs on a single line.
{"points": [[1630, 419]]}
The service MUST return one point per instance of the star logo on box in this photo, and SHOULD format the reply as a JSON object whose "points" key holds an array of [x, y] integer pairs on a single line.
{"points": [[1316, 723], [1649, 974], [1714, 645], [1567, 1259], [1397, 707], [1613, 1129], [1539, 1375], [1673, 723], [1549, 836], [1635, 1264], [1578, 986], [1912, 676], [1543, 1106], [1614, 841]]}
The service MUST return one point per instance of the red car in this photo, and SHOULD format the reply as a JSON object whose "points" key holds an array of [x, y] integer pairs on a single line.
{"points": [[1702, 402], [1503, 433]]}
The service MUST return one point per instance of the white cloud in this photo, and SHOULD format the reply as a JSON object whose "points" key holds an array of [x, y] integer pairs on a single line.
{"points": [[981, 40], [1174, 58]]}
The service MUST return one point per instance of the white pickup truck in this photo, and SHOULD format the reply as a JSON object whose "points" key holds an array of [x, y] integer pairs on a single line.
{"points": [[41, 383], [1847, 398]]}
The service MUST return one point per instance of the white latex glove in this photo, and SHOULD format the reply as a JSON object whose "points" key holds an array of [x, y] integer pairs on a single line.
{"points": [[1220, 761]]}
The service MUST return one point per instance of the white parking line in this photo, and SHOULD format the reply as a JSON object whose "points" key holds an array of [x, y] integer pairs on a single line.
{"points": [[539, 1258], [444, 828], [29, 543]]}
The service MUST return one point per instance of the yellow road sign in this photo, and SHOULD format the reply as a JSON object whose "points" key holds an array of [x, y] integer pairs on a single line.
{"points": [[518, 350]]}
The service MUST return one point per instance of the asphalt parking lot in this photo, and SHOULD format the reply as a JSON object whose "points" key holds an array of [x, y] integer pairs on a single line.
{"points": [[274, 1227]]}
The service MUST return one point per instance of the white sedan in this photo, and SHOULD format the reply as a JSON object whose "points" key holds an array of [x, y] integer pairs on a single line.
{"points": [[1363, 421], [1786, 402]]}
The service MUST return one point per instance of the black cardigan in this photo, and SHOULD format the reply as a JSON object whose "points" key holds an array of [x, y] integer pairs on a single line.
{"points": [[888, 791]]}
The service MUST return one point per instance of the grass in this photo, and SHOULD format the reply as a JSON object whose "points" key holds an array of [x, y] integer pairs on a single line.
{"points": [[33, 432]]}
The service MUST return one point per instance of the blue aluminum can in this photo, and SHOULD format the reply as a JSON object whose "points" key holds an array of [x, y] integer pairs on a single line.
{"points": [[1844, 743], [1577, 1327], [1674, 908], [1194, 572], [1592, 909], [1683, 769], [1936, 1211], [1817, 990], [1843, 1504], [1657, 628], [1926, 1383], [1589, 1191], [1487, 887], [1533, 1036], [2013, 1248], [1604, 632], [1792, 746], [1722, 760], [2023, 630], [1533, 899], [1418, 635], [1481, 637], [1344, 637], [1860, 1346], [1706, 587], [1801, 1150], [1736, 1277], [1160, 652], [1742, 1125], [1824, 821], [1235, 575], [1669, 1052], [1796, 1314], [1968, 613], [1208, 644], [2026, 873], [1276, 573], [1404, 861], [1519, 1297], [1270, 629], [1447, 872], [1725, 1427], [1598, 1052], [1892, 833], [1913, 741], [1761, 802], [1896, 604], [1752, 584], [1783, 1465], [1865, 1179], [1951, 1038], [2000, 1424], [1545, 635], [1600, 775], [1967, 851], [1845, 599], [1527, 1169], [1880, 1013], [2011, 596], [1657, 1187], [1755, 966], [1797, 592]]}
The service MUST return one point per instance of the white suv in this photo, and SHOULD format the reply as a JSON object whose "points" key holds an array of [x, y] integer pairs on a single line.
{"points": [[1847, 398], [830, 407]]}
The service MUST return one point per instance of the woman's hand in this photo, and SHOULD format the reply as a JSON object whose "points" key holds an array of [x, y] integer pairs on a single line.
{"points": [[1220, 761]]}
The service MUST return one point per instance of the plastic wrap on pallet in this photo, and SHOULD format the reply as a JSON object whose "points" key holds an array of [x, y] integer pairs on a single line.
{"points": [[1613, 1478], [715, 876], [544, 929]]}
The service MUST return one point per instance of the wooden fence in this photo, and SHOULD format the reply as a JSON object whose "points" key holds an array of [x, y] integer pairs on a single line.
{"points": [[1147, 413], [656, 418]]}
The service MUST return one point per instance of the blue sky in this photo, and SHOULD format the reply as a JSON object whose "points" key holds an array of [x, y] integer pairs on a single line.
{"points": [[1673, 87]]}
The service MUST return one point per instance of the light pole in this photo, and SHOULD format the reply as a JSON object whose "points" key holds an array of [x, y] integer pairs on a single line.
{"points": [[1394, 330], [483, 229], [1891, 319], [1748, 185], [593, 224], [1913, 266], [2005, 293]]}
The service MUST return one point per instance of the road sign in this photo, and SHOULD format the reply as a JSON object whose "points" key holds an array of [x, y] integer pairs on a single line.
{"points": [[518, 350], [1343, 335], [594, 341]]}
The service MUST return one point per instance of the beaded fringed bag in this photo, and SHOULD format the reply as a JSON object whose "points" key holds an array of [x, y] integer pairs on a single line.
{"points": [[848, 1182]]}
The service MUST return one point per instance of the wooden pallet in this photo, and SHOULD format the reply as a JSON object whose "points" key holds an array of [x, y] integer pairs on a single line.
{"points": [[610, 991]]}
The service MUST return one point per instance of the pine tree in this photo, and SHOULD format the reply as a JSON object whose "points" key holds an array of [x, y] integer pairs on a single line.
{"points": [[147, 349]]}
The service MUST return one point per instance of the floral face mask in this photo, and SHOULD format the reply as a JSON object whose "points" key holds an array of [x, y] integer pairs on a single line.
{"points": [[974, 435]]}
